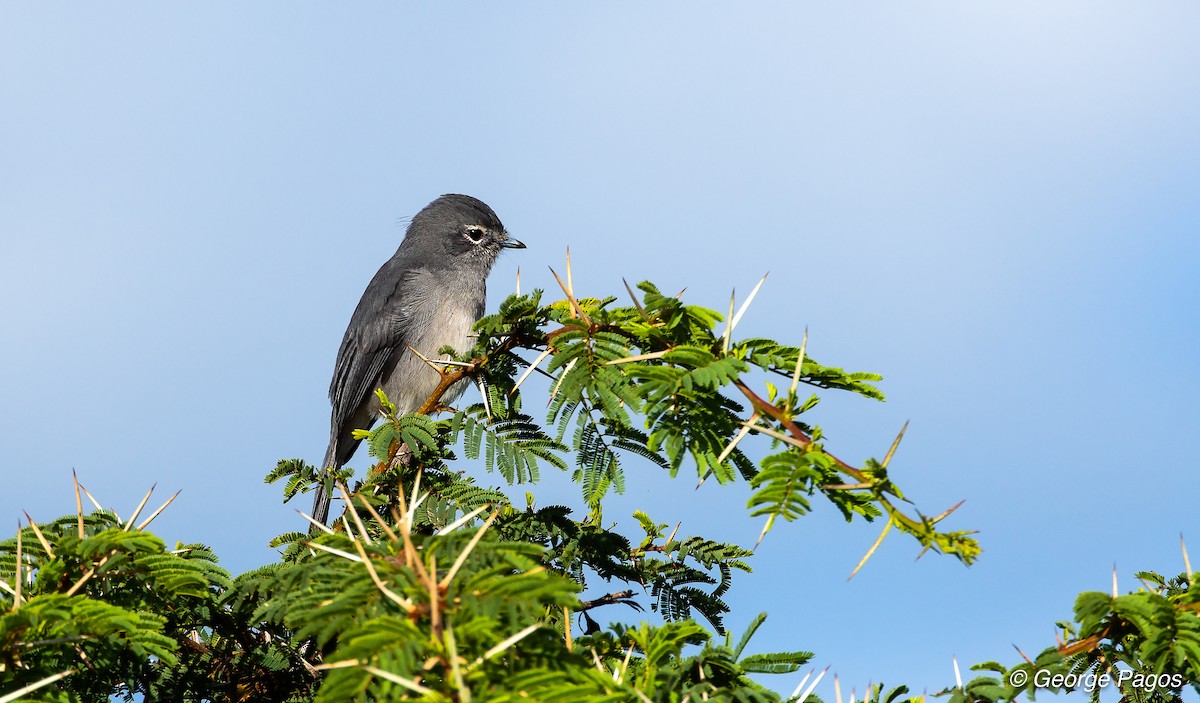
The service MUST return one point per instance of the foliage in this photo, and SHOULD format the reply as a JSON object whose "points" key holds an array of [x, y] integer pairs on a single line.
{"points": [[111, 604], [434, 587], [1145, 644]]}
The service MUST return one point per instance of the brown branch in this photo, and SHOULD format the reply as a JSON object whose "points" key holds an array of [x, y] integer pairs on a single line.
{"points": [[1113, 632], [640, 551], [605, 600], [449, 378], [1084, 645], [765, 408]]}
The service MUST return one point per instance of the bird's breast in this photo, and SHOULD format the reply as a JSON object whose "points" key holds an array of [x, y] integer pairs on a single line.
{"points": [[440, 315], [449, 325]]}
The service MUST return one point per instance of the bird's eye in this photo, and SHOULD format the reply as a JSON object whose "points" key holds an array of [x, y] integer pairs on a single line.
{"points": [[475, 234]]}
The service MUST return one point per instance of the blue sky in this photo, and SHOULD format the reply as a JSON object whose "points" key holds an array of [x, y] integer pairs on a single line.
{"points": [[994, 204]]}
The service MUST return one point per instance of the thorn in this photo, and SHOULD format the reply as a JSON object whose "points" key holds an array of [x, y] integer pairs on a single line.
{"points": [[1027, 659], [766, 528], [434, 363], [1187, 563], [138, 510], [343, 664], [837, 689], [93, 500], [142, 525], [787, 439], [463, 520], [6, 588], [895, 443], [738, 437], [487, 405], [354, 515], [570, 641], [1114, 579], [336, 552], [947, 512], [561, 377], [400, 512], [625, 662], [570, 282], [435, 612], [16, 695], [399, 680], [801, 685], [957, 673], [640, 357], [462, 556], [728, 324], [417, 498], [540, 358], [378, 519], [674, 532], [878, 541], [321, 525], [506, 644], [40, 536], [799, 362], [422, 357], [742, 310], [87, 575], [406, 604], [641, 310], [812, 685], [18, 578], [78, 502], [576, 310], [518, 280]]}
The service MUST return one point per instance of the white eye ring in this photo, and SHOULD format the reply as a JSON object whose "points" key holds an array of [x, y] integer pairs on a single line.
{"points": [[474, 234]]}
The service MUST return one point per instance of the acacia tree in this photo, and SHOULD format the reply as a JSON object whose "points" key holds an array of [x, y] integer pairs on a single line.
{"points": [[432, 586]]}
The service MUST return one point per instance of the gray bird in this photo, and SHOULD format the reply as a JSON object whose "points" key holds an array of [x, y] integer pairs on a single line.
{"points": [[427, 296]]}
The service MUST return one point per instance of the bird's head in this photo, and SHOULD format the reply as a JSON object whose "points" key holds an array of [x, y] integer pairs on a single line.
{"points": [[463, 229]]}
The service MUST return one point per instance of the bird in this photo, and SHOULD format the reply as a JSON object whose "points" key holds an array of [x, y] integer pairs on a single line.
{"points": [[427, 296]]}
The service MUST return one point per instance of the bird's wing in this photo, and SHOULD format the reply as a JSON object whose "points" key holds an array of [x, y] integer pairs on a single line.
{"points": [[374, 339]]}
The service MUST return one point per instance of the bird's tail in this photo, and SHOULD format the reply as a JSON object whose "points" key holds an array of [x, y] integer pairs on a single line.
{"points": [[321, 499]]}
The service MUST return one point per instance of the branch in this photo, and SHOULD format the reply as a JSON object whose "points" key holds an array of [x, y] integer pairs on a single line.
{"points": [[609, 599], [449, 378], [765, 408]]}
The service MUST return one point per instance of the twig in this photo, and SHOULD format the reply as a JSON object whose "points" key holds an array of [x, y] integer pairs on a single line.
{"points": [[609, 599]]}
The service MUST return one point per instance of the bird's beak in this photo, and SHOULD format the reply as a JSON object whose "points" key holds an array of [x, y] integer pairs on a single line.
{"points": [[511, 243]]}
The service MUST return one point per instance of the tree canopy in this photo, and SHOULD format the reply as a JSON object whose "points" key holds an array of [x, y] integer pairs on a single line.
{"points": [[434, 586]]}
